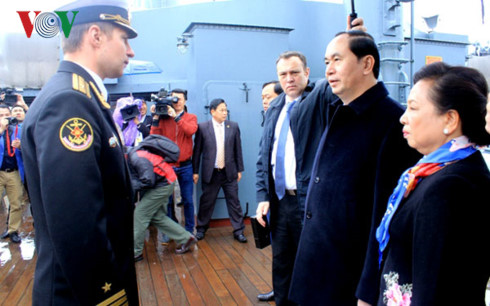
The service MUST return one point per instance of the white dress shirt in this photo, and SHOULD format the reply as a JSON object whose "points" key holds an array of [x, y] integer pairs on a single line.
{"points": [[289, 156], [217, 126]]}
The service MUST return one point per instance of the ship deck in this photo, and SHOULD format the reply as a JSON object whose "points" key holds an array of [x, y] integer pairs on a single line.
{"points": [[219, 271]]}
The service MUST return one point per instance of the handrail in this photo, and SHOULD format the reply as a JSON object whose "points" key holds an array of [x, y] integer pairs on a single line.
{"points": [[396, 60]]}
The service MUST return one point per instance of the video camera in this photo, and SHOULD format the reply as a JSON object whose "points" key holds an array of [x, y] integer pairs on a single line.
{"points": [[163, 101], [10, 97], [129, 112]]}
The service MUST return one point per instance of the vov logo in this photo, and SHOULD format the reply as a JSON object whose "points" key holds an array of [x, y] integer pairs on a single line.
{"points": [[47, 24]]}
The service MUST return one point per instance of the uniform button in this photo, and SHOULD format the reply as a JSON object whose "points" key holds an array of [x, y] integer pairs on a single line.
{"points": [[308, 215], [317, 179]]}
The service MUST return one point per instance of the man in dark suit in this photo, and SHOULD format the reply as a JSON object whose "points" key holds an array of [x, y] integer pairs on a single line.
{"points": [[306, 123], [79, 181], [218, 141], [284, 201], [360, 156]]}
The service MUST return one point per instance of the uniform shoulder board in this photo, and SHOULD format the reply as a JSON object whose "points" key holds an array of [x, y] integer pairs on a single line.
{"points": [[81, 85], [99, 96]]}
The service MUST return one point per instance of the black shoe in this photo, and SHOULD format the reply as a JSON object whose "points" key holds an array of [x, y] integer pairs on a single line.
{"points": [[5, 234], [186, 246], [241, 238], [200, 235], [14, 237], [266, 297], [138, 258]]}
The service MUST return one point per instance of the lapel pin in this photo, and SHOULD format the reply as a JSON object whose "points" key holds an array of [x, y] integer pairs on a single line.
{"points": [[113, 142]]}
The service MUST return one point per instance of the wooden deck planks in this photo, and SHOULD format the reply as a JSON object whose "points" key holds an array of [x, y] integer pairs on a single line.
{"points": [[210, 265], [219, 271]]}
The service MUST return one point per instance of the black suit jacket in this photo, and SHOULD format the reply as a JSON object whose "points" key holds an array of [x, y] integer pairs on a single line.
{"points": [[81, 196], [205, 145], [306, 134]]}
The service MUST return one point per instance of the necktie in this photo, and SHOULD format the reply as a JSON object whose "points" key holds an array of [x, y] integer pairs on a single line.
{"points": [[221, 148], [280, 179]]}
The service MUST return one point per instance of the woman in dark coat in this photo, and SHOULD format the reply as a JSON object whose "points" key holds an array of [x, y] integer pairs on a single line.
{"points": [[434, 235]]}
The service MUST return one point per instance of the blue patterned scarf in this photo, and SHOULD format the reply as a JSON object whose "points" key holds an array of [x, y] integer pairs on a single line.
{"points": [[452, 151]]}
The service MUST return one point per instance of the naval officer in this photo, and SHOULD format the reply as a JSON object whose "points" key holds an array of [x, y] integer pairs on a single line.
{"points": [[78, 177]]}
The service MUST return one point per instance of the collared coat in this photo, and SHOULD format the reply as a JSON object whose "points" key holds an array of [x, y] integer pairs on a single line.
{"points": [[80, 190], [359, 159], [179, 131], [437, 253]]}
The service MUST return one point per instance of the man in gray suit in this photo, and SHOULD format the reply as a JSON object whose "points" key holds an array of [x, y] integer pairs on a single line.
{"points": [[218, 141]]}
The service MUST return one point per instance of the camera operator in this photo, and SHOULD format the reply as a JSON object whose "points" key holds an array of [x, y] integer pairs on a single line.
{"points": [[11, 171], [135, 126], [179, 126]]}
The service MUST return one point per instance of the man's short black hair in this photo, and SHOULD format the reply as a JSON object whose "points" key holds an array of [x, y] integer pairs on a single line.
{"points": [[270, 82], [19, 106], [213, 105], [180, 91], [5, 106], [362, 44], [277, 86]]}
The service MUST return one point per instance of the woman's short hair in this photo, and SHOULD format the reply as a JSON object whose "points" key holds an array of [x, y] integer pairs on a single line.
{"points": [[461, 89]]}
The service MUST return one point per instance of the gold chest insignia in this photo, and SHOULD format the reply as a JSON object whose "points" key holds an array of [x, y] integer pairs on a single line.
{"points": [[76, 134]]}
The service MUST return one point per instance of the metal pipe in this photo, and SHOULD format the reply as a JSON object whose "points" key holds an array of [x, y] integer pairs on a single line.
{"points": [[412, 40]]}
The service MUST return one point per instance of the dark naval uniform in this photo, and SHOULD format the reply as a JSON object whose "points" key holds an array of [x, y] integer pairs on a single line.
{"points": [[80, 192]]}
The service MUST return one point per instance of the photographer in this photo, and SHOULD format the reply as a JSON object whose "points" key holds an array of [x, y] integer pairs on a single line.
{"points": [[19, 113], [11, 171], [130, 116], [179, 126]]}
